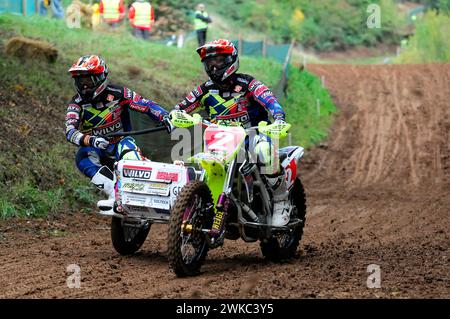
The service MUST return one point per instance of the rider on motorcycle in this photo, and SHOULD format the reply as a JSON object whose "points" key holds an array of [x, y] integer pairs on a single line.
{"points": [[228, 95], [100, 108]]}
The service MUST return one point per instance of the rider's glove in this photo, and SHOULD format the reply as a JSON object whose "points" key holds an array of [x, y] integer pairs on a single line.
{"points": [[166, 120], [279, 119], [98, 142]]}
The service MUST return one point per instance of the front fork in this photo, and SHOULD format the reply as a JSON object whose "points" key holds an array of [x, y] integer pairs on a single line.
{"points": [[221, 187], [217, 231]]}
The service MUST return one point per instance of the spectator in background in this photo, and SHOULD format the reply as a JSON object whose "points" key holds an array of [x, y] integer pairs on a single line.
{"points": [[201, 23], [142, 18], [96, 18], [57, 8], [112, 12]]}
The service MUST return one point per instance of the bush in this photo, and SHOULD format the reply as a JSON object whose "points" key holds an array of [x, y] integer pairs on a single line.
{"points": [[326, 25], [430, 43]]}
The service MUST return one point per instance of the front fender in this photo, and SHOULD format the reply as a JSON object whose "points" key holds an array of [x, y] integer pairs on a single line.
{"points": [[291, 164], [215, 172]]}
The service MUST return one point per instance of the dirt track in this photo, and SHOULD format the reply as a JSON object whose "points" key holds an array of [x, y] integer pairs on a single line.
{"points": [[378, 193]]}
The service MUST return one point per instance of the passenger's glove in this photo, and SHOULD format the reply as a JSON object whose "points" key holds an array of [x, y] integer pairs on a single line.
{"points": [[169, 126], [98, 142]]}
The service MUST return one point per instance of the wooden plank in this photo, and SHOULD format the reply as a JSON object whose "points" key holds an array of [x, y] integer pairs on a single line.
{"points": [[24, 8]]}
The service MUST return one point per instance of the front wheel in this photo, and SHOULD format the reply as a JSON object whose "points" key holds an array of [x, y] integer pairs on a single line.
{"points": [[187, 244], [282, 246], [127, 239]]}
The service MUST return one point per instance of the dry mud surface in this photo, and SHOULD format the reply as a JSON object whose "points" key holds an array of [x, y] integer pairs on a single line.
{"points": [[378, 192]]}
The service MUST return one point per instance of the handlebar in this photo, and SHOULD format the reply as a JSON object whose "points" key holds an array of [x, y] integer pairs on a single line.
{"points": [[274, 130], [140, 132]]}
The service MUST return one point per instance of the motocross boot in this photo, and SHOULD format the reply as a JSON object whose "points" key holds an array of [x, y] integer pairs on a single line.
{"points": [[281, 204], [105, 180]]}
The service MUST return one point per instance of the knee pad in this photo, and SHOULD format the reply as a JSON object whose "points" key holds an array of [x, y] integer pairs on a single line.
{"points": [[127, 149]]}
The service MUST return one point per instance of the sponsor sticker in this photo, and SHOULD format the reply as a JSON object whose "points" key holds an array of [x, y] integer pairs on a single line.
{"points": [[260, 90], [198, 92], [242, 80], [71, 122], [167, 176], [176, 190], [127, 93], [137, 172], [159, 202], [157, 186], [135, 200], [266, 94], [108, 128], [139, 108], [158, 189], [73, 108], [138, 208], [133, 187], [191, 107], [136, 97], [72, 115], [190, 97], [156, 112], [254, 84]]}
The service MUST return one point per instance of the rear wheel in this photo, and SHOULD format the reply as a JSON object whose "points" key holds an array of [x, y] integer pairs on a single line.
{"points": [[127, 239], [282, 246], [187, 248]]}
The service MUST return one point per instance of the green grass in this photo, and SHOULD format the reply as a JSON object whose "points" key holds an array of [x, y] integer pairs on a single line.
{"points": [[303, 93], [40, 177]]}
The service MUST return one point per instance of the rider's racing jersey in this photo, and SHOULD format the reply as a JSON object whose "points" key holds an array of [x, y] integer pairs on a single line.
{"points": [[245, 100], [110, 114]]}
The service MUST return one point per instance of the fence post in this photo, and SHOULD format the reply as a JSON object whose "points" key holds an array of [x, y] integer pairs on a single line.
{"points": [[180, 41], [240, 44], [264, 48], [288, 56], [24, 8]]}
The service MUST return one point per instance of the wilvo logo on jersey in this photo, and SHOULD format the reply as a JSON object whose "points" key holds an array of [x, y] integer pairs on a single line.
{"points": [[108, 128]]}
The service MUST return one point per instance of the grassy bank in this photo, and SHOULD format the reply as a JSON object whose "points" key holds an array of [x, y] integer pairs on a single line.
{"points": [[309, 108], [37, 171]]}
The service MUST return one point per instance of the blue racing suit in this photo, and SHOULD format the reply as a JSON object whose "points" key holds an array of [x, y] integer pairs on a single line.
{"points": [[110, 113]]}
